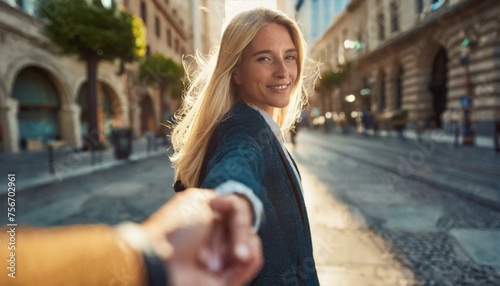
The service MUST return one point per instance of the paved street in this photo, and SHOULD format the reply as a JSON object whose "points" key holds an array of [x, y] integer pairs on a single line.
{"points": [[373, 223], [442, 238]]}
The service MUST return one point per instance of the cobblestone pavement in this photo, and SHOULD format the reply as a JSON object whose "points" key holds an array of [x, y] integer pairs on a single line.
{"points": [[370, 226], [130, 191], [443, 239]]}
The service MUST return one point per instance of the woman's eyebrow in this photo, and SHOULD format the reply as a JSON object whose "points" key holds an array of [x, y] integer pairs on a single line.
{"points": [[293, 50], [261, 52]]}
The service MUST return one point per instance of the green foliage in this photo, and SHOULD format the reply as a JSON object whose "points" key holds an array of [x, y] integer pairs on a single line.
{"points": [[334, 78], [159, 71], [86, 27], [330, 79], [400, 115]]}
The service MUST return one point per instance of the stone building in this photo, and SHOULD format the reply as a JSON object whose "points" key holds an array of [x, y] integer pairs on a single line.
{"points": [[168, 26], [42, 92], [208, 19], [427, 56]]}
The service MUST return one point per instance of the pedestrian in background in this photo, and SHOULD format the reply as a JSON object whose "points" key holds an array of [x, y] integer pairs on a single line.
{"points": [[230, 135]]}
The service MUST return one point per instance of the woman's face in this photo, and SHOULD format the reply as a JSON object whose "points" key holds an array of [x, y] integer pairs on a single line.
{"points": [[268, 69]]}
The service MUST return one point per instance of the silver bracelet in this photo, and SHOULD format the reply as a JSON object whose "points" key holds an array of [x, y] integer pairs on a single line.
{"points": [[234, 187]]}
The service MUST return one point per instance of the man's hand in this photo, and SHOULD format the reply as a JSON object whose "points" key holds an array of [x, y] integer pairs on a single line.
{"points": [[206, 239]]}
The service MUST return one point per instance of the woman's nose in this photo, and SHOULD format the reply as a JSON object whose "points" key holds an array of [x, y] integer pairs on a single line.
{"points": [[281, 71]]}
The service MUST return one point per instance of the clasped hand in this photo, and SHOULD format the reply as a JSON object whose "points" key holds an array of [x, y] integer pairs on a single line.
{"points": [[206, 238]]}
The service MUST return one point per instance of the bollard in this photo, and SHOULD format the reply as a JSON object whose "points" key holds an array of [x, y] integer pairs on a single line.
{"points": [[456, 133], [149, 140], [497, 136], [50, 150], [92, 157]]}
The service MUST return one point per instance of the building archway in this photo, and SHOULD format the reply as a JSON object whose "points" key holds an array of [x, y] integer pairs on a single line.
{"points": [[437, 86], [39, 106], [382, 98], [108, 111], [148, 122], [399, 87]]}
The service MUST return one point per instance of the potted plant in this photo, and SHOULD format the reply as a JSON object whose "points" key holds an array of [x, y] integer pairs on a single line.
{"points": [[399, 118]]}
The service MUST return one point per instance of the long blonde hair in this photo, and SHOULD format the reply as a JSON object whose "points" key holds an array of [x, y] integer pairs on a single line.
{"points": [[211, 92]]}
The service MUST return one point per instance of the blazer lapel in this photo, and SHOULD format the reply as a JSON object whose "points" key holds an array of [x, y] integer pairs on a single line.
{"points": [[291, 178]]}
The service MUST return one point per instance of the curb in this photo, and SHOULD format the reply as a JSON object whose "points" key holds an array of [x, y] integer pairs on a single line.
{"points": [[47, 179]]}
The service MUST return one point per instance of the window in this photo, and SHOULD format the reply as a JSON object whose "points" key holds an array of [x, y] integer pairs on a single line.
{"points": [[394, 17], [436, 4], [336, 49], [420, 6], [169, 38], [143, 13], [343, 53], [177, 46], [157, 26], [381, 26], [360, 39]]}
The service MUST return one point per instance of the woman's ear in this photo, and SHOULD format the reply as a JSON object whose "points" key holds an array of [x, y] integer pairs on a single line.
{"points": [[236, 77]]}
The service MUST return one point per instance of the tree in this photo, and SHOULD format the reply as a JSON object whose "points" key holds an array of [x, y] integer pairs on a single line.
{"points": [[93, 32], [165, 74], [330, 80]]}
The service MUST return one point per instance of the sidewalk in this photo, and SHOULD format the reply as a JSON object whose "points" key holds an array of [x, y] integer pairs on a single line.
{"points": [[32, 169], [470, 172]]}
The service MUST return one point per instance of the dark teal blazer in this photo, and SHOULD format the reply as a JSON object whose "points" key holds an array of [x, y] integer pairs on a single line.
{"points": [[243, 148]]}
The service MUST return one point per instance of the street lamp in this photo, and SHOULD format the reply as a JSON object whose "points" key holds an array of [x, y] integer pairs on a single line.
{"points": [[365, 91], [350, 44], [466, 101], [350, 98]]}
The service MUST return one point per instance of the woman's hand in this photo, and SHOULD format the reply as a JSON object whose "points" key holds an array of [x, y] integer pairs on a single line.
{"points": [[206, 239]]}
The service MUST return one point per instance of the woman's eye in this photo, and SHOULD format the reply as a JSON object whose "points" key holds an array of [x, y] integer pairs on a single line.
{"points": [[290, 58], [263, 59]]}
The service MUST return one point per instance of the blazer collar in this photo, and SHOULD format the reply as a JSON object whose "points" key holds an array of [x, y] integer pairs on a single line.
{"points": [[269, 120]]}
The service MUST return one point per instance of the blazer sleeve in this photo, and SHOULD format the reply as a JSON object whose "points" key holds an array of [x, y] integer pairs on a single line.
{"points": [[236, 154], [70, 255]]}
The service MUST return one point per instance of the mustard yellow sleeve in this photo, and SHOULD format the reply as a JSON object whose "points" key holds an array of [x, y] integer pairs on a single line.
{"points": [[70, 255]]}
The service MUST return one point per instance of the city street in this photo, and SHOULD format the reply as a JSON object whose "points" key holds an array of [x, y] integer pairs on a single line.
{"points": [[383, 211]]}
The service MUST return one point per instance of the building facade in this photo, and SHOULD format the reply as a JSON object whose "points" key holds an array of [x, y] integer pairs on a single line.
{"points": [[42, 92], [438, 59], [208, 19], [168, 32]]}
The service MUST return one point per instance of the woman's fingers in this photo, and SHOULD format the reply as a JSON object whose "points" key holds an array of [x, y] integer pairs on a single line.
{"points": [[237, 214]]}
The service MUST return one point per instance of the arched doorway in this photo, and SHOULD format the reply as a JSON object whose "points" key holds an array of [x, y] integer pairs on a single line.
{"points": [[399, 88], [108, 111], [382, 103], [437, 86], [147, 115], [39, 105]]}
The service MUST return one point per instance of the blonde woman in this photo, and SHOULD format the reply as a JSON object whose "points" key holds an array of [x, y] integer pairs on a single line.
{"points": [[229, 136]]}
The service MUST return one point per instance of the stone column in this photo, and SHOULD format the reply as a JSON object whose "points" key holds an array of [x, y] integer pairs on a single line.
{"points": [[71, 128], [8, 115]]}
